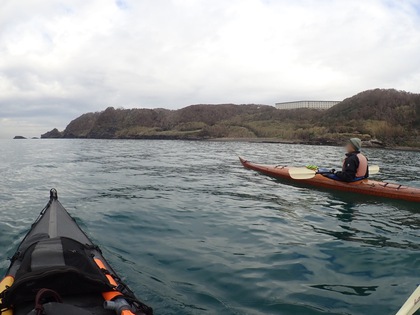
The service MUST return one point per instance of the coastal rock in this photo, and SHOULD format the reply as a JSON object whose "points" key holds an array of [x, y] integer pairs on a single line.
{"points": [[81, 126], [373, 143], [53, 134], [19, 137]]}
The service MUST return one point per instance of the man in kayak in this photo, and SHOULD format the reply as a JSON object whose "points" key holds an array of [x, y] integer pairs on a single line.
{"points": [[355, 166]]}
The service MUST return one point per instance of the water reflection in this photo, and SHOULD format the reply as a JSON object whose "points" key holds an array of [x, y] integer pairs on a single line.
{"points": [[346, 289]]}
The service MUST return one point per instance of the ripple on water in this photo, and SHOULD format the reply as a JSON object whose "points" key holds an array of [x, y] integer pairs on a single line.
{"points": [[192, 232]]}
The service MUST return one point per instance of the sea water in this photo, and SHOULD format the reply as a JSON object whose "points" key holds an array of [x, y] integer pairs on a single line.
{"points": [[192, 232]]}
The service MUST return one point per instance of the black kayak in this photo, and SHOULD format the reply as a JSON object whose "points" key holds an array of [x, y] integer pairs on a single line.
{"points": [[57, 270]]}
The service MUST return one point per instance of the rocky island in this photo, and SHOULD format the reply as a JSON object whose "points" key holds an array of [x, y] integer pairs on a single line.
{"points": [[380, 117]]}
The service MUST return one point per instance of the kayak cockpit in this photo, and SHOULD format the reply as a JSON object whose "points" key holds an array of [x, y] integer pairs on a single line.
{"points": [[59, 264], [57, 270]]}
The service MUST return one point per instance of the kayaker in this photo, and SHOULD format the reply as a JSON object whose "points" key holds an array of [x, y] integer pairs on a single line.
{"points": [[355, 166]]}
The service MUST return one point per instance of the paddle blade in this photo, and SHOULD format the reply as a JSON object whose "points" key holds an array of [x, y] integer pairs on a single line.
{"points": [[373, 169], [412, 304], [301, 173]]}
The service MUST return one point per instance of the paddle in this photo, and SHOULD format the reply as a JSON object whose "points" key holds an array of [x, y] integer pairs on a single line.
{"points": [[412, 304], [305, 173]]}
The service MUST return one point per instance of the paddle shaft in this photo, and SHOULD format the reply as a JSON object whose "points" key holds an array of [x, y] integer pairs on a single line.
{"points": [[412, 304], [305, 173]]}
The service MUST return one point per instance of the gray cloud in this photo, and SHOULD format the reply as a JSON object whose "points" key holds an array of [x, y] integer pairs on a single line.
{"points": [[58, 60]]}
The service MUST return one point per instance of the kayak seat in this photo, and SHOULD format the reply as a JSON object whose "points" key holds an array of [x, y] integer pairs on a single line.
{"points": [[54, 308], [60, 264]]}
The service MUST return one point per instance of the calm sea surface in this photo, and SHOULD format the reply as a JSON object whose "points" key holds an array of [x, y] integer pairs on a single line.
{"points": [[192, 232]]}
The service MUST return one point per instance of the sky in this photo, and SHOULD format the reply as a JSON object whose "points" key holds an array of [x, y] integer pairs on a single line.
{"points": [[60, 59]]}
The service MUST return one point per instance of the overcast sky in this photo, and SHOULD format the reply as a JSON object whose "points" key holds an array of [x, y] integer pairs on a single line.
{"points": [[59, 59]]}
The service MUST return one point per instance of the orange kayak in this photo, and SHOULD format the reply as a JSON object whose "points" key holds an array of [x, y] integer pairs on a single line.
{"points": [[365, 186]]}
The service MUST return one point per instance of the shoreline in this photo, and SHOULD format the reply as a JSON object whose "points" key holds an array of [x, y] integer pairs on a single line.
{"points": [[301, 142], [254, 140]]}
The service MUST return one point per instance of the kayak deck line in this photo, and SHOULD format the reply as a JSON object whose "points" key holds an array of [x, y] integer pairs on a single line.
{"points": [[57, 259], [52, 226], [365, 186]]}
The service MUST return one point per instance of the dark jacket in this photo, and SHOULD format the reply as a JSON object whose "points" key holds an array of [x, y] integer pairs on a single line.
{"points": [[350, 167]]}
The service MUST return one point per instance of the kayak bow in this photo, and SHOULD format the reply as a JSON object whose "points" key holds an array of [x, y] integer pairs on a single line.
{"points": [[58, 270], [365, 186]]}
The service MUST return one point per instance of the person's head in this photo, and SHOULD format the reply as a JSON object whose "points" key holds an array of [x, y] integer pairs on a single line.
{"points": [[354, 144]]}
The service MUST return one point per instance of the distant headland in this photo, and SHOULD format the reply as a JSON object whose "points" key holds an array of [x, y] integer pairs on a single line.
{"points": [[23, 138], [379, 117]]}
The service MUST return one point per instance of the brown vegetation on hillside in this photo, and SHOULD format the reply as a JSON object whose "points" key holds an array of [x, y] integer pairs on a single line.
{"points": [[390, 116]]}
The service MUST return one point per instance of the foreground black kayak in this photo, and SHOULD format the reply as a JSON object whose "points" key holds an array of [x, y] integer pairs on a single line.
{"points": [[57, 270]]}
